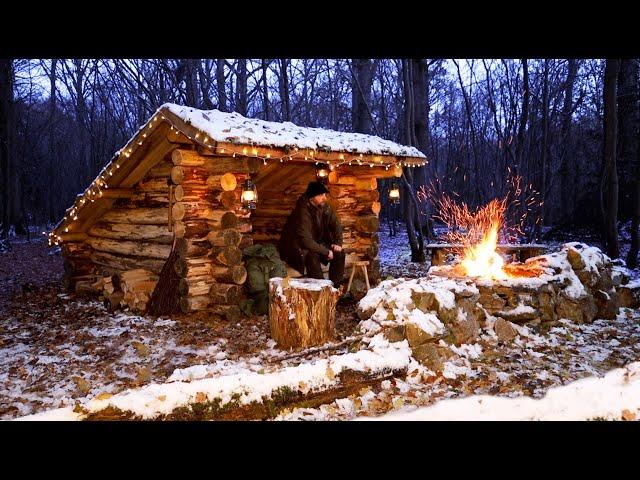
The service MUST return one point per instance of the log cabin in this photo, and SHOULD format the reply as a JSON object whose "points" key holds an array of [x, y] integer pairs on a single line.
{"points": [[166, 219]]}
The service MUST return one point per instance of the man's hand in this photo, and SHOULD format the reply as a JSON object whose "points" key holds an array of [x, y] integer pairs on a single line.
{"points": [[336, 248], [330, 256]]}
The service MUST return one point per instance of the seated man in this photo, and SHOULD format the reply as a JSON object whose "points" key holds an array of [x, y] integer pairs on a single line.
{"points": [[313, 236]]}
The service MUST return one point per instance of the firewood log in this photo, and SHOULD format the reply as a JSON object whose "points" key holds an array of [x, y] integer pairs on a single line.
{"points": [[228, 256], [224, 293], [228, 237]]}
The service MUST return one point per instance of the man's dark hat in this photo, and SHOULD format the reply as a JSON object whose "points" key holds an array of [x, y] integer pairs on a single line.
{"points": [[315, 188]]}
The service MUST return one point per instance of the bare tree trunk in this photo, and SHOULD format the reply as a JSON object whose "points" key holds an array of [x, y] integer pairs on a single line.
{"points": [[220, 84], [421, 126], [265, 89], [545, 143], [627, 132], [566, 153], [610, 178], [362, 78], [192, 97], [634, 172], [414, 232], [241, 86], [283, 84], [6, 101], [467, 106], [52, 142], [205, 82], [524, 117]]}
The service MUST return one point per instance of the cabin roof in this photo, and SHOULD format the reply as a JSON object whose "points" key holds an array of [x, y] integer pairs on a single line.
{"points": [[234, 128], [224, 133]]}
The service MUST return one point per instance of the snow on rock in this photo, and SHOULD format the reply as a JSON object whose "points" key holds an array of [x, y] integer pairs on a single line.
{"points": [[613, 396], [234, 128]]}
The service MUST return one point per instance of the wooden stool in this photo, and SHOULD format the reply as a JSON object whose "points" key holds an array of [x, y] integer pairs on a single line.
{"points": [[362, 264]]}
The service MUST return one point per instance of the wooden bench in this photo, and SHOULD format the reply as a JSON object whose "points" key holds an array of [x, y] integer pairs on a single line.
{"points": [[518, 252]]}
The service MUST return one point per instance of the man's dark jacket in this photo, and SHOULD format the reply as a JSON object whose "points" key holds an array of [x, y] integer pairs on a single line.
{"points": [[309, 229]]}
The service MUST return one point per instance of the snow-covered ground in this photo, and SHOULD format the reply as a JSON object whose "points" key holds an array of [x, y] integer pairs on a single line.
{"points": [[612, 397], [57, 353]]}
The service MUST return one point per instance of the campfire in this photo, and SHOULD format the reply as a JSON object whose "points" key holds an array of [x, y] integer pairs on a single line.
{"points": [[475, 235]]}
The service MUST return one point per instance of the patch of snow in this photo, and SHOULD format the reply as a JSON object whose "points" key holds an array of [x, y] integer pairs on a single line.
{"points": [[583, 399]]}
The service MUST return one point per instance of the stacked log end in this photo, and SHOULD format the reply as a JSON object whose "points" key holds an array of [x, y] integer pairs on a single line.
{"points": [[209, 222], [357, 202]]}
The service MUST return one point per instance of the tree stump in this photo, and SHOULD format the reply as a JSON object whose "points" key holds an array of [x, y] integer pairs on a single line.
{"points": [[302, 311]]}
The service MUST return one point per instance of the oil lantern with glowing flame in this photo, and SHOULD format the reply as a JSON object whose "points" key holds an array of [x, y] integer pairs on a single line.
{"points": [[322, 173], [394, 193], [249, 195]]}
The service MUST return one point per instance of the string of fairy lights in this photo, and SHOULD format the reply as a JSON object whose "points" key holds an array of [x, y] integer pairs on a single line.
{"points": [[96, 189]]}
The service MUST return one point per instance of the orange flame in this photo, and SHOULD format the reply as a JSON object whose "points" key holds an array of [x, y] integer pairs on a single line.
{"points": [[479, 232]]}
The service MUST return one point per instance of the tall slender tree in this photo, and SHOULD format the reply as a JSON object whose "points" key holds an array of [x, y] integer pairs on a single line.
{"points": [[220, 85], [6, 105], [609, 195]]}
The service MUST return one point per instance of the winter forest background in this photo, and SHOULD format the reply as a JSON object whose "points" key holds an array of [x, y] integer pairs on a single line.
{"points": [[568, 127]]}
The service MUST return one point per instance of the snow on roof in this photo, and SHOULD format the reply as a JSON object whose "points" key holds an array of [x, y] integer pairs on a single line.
{"points": [[234, 128]]}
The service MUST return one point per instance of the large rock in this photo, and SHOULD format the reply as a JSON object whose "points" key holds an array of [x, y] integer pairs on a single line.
{"points": [[465, 329], [425, 301], [520, 314], [416, 336], [396, 333], [432, 356], [575, 259], [505, 330], [606, 304], [579, 310], [629, 297]]}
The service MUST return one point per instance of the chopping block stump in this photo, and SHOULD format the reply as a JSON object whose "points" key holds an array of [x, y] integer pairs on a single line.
{"points": [[302, 311]]}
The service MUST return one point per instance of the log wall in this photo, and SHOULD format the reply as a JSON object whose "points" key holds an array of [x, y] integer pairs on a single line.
{"points": [[201, 217]]}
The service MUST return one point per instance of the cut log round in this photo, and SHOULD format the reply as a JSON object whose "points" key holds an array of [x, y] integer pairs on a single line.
{"points": [[228, 182], [195, 286], [333, 177], [194, 304], [193, 267], [224, 293], [228, 256], [236, 274], [229, 237], [228, 199], [376, 207], [302, 311]]}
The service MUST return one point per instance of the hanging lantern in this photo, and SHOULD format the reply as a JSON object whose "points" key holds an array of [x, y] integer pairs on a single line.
{"points": [[394, 193], [249, 195], [322, 173]]}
